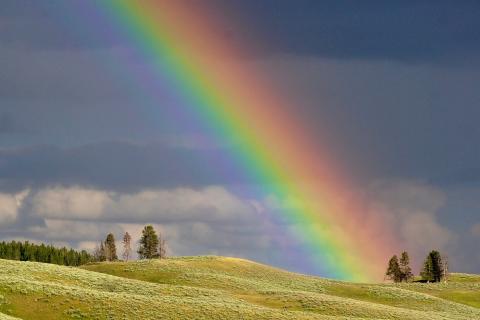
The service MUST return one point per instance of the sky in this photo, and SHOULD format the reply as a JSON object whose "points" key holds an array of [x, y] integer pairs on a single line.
{"points": [[391, 86]]}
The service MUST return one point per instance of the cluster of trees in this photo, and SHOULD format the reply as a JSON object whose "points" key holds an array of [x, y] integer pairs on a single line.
{"points": [[151, 246], [26, 251], [434, 268], [399, 269]]}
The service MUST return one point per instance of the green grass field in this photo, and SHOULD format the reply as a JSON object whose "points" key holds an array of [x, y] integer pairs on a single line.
{"points": [[218, 288]]}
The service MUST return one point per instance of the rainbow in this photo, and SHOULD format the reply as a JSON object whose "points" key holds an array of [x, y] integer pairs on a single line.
{"points": [[237, 102]]}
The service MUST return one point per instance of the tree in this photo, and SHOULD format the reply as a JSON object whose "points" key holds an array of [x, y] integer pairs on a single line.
{"points": [[110, 248], [28, 251], [432, 267], [100, 253], [127, 247], [162, 247], [393, 270], [405, 270], [445, 268], [148, 243]]}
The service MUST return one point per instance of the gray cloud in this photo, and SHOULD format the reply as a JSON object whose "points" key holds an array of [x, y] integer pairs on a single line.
{"points": [[117, 166], [411, 31], [412, 208], [386, 118], [475, 230], [6, 123]]}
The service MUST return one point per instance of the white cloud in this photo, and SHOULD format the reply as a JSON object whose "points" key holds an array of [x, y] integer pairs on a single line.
{"points": [[207, 204], [9, 206], [211, 205], [74, 202], [74, 231]]}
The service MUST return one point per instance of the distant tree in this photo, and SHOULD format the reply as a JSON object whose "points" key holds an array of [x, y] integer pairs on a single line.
{"points": [[445, 268], [405, 270], [432, 270], [162, 247], [110, 248], [96, 253], [127, 246], [148, 248], [393, 269], [102, 256], [28, 251]]}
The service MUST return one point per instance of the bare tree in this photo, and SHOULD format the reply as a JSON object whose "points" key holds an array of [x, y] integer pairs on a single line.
{"points": [[445, 268], [127, 246], [162, 247], [97, 255], [99, 252]]}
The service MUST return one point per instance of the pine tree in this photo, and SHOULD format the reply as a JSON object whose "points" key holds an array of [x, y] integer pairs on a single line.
{"points": [[28, 251], [127, 247], [393, 270], [148, 243], [405, 270], [110, 248], [432, 267]]}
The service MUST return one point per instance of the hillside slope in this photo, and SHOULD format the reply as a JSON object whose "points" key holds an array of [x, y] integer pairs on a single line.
{"points": [[218, 288]]}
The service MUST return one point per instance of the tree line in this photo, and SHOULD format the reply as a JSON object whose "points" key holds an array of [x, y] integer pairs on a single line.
{"points": [[434, 269], [151, 246], [26, 251]]}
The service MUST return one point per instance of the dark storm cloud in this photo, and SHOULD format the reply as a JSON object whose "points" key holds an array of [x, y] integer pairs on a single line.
{"points": [[401, 30], [115, 166], [414, 31], [6, 123], [55, 25], [390, 119]]}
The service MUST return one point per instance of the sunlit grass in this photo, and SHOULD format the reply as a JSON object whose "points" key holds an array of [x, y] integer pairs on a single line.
{"points": [[218, 288]]}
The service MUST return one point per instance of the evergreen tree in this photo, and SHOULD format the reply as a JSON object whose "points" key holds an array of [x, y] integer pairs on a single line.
{"points": [[393, 270], [148, 243], [432, 270], [110, 248], [127, 246], [405, 270], [426, 273], [27, 251]]}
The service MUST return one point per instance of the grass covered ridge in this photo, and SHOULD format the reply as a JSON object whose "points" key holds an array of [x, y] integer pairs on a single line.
{"points": [[218, 288]]}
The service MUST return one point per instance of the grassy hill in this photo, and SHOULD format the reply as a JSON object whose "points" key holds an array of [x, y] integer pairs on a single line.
{"points": [[218, 288]]}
